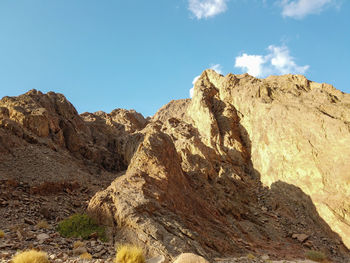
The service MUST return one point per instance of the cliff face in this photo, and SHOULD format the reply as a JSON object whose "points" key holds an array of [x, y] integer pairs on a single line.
{"points": [[246, 165], [299, 132]]}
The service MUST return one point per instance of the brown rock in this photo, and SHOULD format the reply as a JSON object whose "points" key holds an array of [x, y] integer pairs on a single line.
{"points": [[308, 244], [158, 259], [29, 221], [42, 237], [300, 237], [190, 258]]}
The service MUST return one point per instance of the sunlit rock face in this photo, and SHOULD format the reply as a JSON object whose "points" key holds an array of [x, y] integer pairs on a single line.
{"points": [[300, 134], [209, 168], [37, 126]]}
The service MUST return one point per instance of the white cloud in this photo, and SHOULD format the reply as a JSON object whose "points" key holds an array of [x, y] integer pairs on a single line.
{"points": [[301, 8], [207, 8], [251, 63], [278, 61], [216, 67]]}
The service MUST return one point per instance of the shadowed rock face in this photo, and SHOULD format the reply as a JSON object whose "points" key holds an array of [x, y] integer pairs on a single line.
{"points": [[246, 166]]}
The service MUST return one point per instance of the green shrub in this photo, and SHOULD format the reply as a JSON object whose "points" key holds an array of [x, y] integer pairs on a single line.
{"points": [[31, 256], [315, 256], [129, 254], [2, 234], [82, 226]]}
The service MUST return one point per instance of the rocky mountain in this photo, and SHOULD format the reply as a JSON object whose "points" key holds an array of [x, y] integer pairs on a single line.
{"points": [[246, 166]]}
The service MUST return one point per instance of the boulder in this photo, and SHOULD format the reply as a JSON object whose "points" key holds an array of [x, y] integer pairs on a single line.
{"points": [[190, 258]]}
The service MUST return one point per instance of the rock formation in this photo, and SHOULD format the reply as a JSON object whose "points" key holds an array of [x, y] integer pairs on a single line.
{"points": [[203, 165], [246, 166], [51, 124], [299, 132]]}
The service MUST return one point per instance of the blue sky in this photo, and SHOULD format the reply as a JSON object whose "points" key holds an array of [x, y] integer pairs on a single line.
{"points": [[137, 54]]}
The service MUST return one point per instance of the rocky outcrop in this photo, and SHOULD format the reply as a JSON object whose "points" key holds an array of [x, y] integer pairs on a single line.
{"points": [[299, 132], [160, 205], [174, 109], [44, 130], [246, 166], [194, 183]]}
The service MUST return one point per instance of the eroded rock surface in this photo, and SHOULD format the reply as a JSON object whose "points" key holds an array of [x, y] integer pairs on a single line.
{"points": [[248, 165], [43, 133], [52, 161], [197, 182], [299, 132]]}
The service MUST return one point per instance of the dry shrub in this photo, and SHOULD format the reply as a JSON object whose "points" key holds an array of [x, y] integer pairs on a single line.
{"points": [[10, 183], [77, 244], [31, 256], [42, 225], [2, 234], [86, 256], [316, 256], [129, 254], [49, 188], [251, 256]]}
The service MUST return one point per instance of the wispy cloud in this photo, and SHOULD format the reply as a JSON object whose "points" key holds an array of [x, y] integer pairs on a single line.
{"points": [[216, 67], [300, 8], [207, 8], [193, 82], [278, 61]]}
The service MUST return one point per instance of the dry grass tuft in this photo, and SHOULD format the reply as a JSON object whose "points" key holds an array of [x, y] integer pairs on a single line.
{"points": [[86, 256], [129, 254], [42, 225], [2, 234], [77, 244], [251, 256], [316, 256], [30, 256]]}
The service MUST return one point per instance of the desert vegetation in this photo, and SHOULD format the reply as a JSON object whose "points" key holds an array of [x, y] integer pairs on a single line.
{"points": [[316, 256], [129, 254], [77, 244], [42, 224], [81, 226], [31, 256], [86, 255]]}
